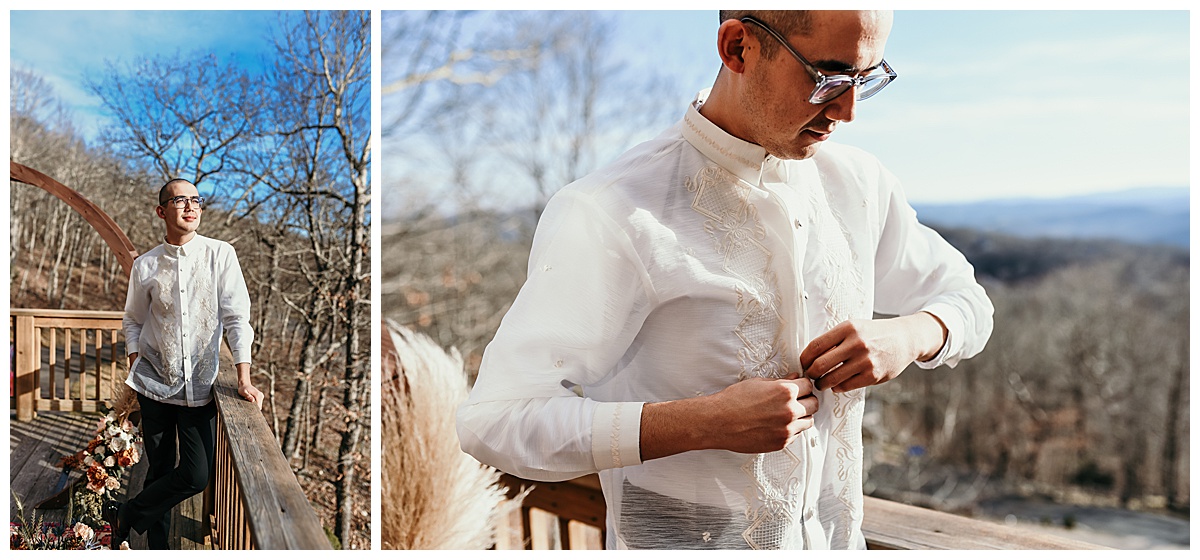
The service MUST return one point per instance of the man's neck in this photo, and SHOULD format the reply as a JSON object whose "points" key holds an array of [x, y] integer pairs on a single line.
{"points": [[180, 240], [720, 110]]}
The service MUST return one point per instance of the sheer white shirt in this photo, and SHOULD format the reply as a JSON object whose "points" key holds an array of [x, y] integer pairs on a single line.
{"points": [[181, 300], [692, 262]]}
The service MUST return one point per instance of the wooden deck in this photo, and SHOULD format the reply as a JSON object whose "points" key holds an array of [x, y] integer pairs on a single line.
{"points": [[34, 448]]}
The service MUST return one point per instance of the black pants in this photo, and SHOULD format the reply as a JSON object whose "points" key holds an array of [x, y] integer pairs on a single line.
{"points": [[168, 484]]}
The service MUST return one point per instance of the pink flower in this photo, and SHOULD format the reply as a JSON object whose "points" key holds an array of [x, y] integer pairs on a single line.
{"points": [[111, 483], [110, 461], [84, 532]]}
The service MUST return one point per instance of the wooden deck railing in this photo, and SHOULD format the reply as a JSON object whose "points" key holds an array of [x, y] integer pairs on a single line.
{"points": [[257, 502], [64, 360], [886, 525], [253, 500]]}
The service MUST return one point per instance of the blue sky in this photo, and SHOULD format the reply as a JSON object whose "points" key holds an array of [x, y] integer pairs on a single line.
{"points": [[999, 104], [988, 104], [65, 47]]}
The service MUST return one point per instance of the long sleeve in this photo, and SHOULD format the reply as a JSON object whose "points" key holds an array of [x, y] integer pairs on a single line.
{"points": [[916, 270], [584, 301], [137, 303], [235, 307]]}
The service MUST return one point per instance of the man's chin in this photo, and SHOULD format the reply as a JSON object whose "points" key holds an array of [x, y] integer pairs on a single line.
{"points": [[801, 152]]}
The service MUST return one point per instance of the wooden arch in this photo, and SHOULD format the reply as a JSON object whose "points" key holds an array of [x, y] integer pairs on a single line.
{"points": [[103, 224]]}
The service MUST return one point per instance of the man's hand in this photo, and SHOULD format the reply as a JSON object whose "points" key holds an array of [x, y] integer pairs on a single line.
{"points": [[132, 357], [861, 353], [245, 387], [252, 394], [751, 416]]}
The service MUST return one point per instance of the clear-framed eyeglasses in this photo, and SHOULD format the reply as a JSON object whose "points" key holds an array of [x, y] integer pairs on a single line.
{"points": [[829, 86], [183, 201]]}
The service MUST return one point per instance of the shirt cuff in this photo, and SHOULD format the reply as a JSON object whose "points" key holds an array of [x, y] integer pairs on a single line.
{"points": [[131, 347], [949, 316], [616, 435]]}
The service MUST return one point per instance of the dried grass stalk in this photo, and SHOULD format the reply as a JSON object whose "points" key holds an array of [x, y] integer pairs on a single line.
{"points": [[434, 495]]}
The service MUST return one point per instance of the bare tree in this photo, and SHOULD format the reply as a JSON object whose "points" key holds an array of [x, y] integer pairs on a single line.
{"points": [[325, 57]]}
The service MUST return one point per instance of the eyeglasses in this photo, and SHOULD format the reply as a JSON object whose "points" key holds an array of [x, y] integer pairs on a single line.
{"points": [[182, 201], [831, 86]]}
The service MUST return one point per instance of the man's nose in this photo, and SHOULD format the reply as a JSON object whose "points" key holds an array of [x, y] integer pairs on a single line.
{"points": [[841, 108]]}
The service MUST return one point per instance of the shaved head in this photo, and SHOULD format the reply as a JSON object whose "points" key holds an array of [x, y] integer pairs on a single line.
{"points": [[786, 22], [164, 194]]}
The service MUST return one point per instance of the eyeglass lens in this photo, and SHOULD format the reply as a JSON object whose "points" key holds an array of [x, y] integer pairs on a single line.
{"points": [[836, 87], [181, 201]]}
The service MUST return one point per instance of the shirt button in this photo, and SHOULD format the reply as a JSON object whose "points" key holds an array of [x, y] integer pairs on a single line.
{"points": [[812, 442], [798, 223]]}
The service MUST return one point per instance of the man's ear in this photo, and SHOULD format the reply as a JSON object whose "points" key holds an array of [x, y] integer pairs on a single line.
{"points": [[732, 43], [161, 213]]}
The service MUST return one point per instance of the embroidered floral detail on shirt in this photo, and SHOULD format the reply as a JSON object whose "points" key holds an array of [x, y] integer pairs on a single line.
{"points": [[847, 299], [773, 499], [614, 439], [738, 236]]}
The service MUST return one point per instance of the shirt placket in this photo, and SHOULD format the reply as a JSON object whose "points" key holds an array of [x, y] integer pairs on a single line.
{"points": [[185, 328], [792, 209]]}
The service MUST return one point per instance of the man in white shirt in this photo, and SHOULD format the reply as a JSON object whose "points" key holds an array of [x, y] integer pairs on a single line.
{"points": [[183, 295], [697, 322]]}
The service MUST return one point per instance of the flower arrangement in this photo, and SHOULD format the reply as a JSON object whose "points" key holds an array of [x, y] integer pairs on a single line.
{"points": [[53, 536], [103, 462], [105, 458], [37, 535]]}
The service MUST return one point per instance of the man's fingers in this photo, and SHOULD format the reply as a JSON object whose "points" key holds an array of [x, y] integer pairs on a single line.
{"points": [[822, 344], [804, 385], [808, 406]]}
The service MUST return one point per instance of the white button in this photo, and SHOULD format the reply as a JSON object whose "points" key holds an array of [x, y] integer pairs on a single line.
{"points": [[798, 223], [812, 442], [558, 363]]}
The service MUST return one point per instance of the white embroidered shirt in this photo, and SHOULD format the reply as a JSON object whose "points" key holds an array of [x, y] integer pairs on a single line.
{"points": [[692, 262], [181, 299]]}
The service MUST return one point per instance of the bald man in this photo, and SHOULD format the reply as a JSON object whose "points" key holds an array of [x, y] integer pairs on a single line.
{"points": [[183, 296]]}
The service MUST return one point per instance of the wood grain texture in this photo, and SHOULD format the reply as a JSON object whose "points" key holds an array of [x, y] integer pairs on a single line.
{"points": [[276, 511]]}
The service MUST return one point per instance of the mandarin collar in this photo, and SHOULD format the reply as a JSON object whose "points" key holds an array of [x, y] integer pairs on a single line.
{"points": [[746, 160], [180, 250]]}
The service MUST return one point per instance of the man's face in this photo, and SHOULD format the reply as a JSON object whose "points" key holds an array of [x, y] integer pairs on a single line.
{"points": [[181, 221], [775, 96]]}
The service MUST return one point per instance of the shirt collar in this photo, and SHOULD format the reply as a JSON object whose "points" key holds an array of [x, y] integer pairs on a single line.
{"points": [[180, 250], [738, 156]]}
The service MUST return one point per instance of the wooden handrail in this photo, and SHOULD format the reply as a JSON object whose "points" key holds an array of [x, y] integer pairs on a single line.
{"points": [[886, 525], [257, 501]]}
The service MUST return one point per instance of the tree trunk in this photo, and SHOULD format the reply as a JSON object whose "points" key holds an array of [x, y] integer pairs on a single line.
{"points": [[1170, 459]]}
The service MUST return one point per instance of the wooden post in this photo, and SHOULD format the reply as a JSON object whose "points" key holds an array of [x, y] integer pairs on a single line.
{"points": [[27, 368]]}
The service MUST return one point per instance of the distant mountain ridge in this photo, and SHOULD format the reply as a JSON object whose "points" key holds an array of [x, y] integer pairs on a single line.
{"points": [[1151, 216]]}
